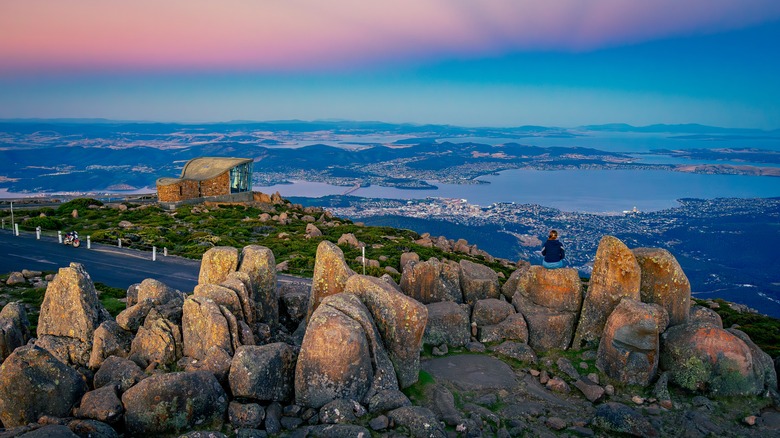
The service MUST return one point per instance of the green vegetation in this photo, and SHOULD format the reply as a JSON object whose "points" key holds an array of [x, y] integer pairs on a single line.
{"points": [[113, 298], [417, 392], [191, 230]]}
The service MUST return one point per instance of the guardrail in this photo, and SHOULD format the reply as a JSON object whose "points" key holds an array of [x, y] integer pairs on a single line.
{"points": [[59, 236]]}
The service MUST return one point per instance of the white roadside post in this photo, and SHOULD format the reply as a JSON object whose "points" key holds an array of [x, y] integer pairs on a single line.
{"points": [[59, 236], [38, 233], [89, 242], [165, 251], [119, 242], [16, 229], [364, 260], [154, 253]]}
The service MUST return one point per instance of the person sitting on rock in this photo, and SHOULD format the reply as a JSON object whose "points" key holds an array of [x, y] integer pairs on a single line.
{"points": [[553, 252]]}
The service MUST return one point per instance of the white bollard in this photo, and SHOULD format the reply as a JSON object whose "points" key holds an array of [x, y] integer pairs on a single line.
{"points": [[165, 251], [364, 260], [119, 242], [37, 233], [16, 229], [3, 223], [59, 236], [154, 253], [89, 242]]}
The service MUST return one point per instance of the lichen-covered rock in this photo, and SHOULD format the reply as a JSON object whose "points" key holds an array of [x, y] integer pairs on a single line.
{"points": [[550, 301], [34, 383], [174, 402], [478, 282], [101, 404], [709, 359], [217, 263], [763, 365], [204, 325], [15, 279], [448, 323], [401, 321], [14, 329], [408, 257], [629, 347], [420, 421], [509, 288], [349, 239], [118, 371], [90, 429], [618, 418], [702, 315], [157, 292], [263, 373], [432, 281], [490, 311], [516, 350], [615, 275], [245, 415], [70, 313], [312, 231], [512, 328], [110, 340], [159, 341], [664, 283], [222, 296], [293, 303], [241, 284], [330, 274], [133, 316], [216, 361], [259, 263], [342, 355]]}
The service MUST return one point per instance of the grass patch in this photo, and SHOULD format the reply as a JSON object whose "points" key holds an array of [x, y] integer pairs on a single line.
{"points": [[416, 392]]}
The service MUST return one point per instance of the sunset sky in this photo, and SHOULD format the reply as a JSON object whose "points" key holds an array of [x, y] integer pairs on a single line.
{"points": [[471, 63]]}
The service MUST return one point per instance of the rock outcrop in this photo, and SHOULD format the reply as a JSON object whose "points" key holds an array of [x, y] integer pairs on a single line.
{"points": [[478, 282], [448, 323], [664, 283], [550, 301], [217, 263], [616, 275], [259, 263], [34, 383], [629, 347], [432, 281], [330, 274]]}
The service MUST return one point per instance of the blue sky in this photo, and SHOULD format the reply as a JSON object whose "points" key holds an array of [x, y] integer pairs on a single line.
{"points": [[712, 62]]}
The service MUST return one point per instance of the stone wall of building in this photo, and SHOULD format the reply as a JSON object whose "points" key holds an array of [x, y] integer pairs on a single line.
{"points": [[179, 191], [217, 186]]}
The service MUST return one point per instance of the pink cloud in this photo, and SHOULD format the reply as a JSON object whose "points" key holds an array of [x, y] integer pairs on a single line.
{"points": [[279, 35]]}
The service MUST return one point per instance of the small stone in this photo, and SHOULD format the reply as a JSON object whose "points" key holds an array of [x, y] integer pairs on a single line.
{"points": [[583, 365], [556, 384], [543, 377], [534, 373], [750, 420], [637, 400], [379, 423], [593, 377], [609, 390], [555, 423], [475, 347], [666, 404]]}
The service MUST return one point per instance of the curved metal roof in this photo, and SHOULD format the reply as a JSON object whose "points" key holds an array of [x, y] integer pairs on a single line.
{"points": [[203, 168]]}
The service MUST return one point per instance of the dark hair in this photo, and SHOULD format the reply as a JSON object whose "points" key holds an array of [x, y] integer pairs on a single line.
{"points": [[553, 234]]}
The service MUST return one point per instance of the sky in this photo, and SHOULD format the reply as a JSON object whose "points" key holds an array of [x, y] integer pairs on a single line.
{"points": [[461, 62]]}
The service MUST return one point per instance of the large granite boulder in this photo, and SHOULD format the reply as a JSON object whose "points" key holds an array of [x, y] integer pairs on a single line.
{"points": [[101, 404], [615, 275], [204, 325], [241, 284], [550, 301], [14, 329], [432, 281], [330, 274], [513, 328], [263, 373], [117, 371], [174, 402], [34, 383], [490, 311], [509, 288], [664, 283], [157, 292], [342, 355], [763, 365], [629, 347], [259, 263], [401, 322], [110, 340], [133, 316], [222, 296], [70, 314], [408, 257], [448, 323], [478, 282], [217, 263], [157, 341], [710, 359]]}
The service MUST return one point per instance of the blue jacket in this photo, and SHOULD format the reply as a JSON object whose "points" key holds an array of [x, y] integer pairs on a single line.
{"points": [[553, 251]]}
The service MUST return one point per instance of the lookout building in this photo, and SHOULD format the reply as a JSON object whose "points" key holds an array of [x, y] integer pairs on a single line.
{"points": [[208, 178]]}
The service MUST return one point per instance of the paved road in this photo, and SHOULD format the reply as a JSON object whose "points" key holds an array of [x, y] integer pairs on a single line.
{"points": [[105, 264]]}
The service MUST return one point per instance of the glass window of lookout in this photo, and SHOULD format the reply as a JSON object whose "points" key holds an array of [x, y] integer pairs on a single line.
{"points": [[241, 178]]}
